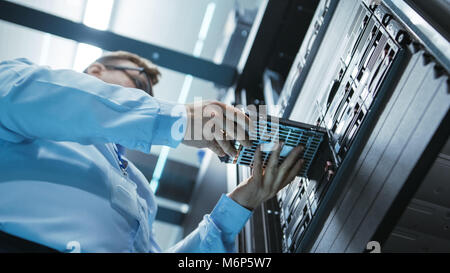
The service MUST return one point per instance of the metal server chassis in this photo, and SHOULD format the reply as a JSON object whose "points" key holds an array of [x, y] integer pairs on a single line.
{"points": [[380, 123]]}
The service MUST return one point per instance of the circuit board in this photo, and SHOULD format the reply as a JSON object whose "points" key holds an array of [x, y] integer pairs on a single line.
{"points": [[269, 131]]}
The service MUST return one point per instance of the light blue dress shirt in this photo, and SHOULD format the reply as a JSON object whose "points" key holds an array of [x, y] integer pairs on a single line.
{"points": [[61, 184]]}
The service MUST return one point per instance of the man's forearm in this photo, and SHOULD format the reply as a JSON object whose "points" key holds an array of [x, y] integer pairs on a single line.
{"points": [[64, 105]]}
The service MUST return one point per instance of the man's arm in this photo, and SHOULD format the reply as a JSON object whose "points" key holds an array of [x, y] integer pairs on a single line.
{"points": [[63, 105], [217, 231]]}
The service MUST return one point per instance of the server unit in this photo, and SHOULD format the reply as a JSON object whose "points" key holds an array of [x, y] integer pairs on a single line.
{"points": [[375, 77]]}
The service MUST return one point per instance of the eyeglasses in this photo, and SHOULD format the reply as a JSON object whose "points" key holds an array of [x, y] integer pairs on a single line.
{"points": [[147, 87]]}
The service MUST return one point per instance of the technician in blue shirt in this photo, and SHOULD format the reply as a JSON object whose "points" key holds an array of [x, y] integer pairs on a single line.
{"points": [[64, 182]]}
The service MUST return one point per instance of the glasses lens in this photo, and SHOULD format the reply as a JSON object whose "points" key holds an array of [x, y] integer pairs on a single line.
{"points": [[146, 86], [139, 84], [149, 87]]}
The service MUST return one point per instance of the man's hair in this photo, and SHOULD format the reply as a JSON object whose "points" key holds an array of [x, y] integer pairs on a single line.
{"points": [[149, 68]]}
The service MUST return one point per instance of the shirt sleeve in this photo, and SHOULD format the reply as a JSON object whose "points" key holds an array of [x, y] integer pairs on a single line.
{"points": [[217, 231], [63, 105]]}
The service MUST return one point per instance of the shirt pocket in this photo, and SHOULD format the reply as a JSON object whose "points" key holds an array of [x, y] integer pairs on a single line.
{"points": [[124, 197]]}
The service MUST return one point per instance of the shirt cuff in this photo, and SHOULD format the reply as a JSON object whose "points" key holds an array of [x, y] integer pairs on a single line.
{"points": [[170, 125], [229, 216]]}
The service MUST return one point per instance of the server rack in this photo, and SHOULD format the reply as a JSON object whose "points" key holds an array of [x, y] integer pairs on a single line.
{"points": [[379, 85]]}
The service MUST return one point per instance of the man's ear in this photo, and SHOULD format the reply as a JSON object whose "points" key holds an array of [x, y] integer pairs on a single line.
{"points": [[96, 69]]}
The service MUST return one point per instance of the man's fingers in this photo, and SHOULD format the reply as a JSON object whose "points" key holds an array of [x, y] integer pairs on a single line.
{"points": [[225, 145], [234, 131], [241, 124], [272, 165], [257, 164], [275, 156], [242, 119], [242, 136], [292, 174], [290, 160], [229, 131], [234, 123], [287, 166], [215, 147], [221, 138]]}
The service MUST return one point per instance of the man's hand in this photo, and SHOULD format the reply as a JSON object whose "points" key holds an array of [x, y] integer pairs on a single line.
{"points": [[264, 184], [214, 125]]}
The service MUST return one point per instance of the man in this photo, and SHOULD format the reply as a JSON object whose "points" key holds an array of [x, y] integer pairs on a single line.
{"points": [[64, 181]]}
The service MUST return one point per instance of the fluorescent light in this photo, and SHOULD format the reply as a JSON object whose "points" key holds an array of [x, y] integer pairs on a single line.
{"points": [[173, 205], [162, 159], [85, 55], [185, 89], [98, 13], [198, 48], [45, 49], [206, 21]]}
